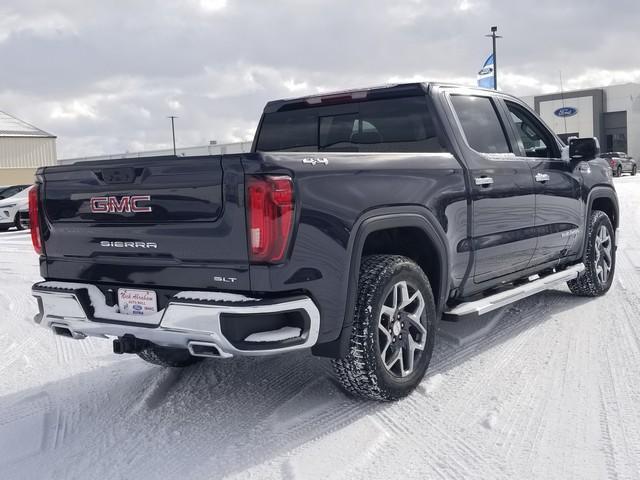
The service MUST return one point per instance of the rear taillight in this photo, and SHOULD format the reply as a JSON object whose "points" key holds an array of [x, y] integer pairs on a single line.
{"points": [[34, 220], [270, 207]]}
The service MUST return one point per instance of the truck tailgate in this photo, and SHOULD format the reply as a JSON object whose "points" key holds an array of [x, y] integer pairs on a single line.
{"points": [[152, 221]]}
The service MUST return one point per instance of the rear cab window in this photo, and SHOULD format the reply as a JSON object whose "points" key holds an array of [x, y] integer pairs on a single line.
{"points": [[402, 124]]}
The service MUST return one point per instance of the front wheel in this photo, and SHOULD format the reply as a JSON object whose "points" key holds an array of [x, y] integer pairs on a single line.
{"points": [[634, 170], [599, 258], [393, 330]]}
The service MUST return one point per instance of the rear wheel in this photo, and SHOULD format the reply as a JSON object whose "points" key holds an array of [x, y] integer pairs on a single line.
{"points": [[599, 258], [393, 330], [634, 170], [168, 357], [4, 228]]}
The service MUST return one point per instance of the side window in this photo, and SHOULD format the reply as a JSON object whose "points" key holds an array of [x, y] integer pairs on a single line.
{"points": [[536, 140], [481, 124]]}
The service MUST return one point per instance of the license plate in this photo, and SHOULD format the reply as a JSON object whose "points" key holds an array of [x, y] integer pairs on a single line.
{"points": [[137, 302]]}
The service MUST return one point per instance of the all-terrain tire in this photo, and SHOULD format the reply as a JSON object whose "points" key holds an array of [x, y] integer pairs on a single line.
{"points": [[588, 284], [168, 357], [362, 372]]}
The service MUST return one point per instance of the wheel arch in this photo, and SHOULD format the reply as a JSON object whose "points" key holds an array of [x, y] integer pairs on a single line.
{"points": [[606, 200], [603, 199], [379, 232]]}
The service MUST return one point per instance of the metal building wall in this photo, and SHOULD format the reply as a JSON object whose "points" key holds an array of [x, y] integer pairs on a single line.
{"points": [[17, 176], [27, 152]]}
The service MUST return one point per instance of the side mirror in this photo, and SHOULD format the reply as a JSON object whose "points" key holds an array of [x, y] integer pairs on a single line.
{"points": [[584, 148]]}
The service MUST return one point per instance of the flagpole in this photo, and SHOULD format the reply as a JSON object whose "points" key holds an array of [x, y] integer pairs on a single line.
{"points": [[495, 58]]}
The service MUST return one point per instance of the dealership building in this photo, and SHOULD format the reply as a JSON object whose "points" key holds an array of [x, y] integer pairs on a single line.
{"points": [[612, 114], [23, 148]]}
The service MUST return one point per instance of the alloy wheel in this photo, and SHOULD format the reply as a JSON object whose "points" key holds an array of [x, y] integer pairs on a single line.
{"points": [[603, 260], [403, 335]]}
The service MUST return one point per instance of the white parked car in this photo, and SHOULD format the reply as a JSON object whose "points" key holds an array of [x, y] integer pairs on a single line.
{"points": [[10, 208]]}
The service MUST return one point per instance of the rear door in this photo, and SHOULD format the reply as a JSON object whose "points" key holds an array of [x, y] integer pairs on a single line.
{"points": [[503, 200], [558, 184], [153, 221]]}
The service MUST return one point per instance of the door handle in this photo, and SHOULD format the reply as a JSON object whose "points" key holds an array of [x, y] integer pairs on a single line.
{"points": [[542, 177], [484, 181]]}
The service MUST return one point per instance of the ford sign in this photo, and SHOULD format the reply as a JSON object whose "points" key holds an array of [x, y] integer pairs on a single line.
{"points": [[565, 112]]}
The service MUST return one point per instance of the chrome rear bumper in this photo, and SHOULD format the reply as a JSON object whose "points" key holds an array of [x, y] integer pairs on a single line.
{"points": [[191, 320]]}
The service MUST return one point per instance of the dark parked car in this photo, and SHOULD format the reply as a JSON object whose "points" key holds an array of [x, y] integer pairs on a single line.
{"points": [[620, 163], [357, 222]]}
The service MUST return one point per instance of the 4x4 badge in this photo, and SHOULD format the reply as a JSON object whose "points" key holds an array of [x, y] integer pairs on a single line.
{"points": [[315, 161]]}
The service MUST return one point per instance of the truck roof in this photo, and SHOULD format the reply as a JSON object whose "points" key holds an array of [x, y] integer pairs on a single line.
{"points": [[342, 96]]}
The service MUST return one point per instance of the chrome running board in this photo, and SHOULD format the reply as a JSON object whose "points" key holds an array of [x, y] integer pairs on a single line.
{"points": [[487, 304]]}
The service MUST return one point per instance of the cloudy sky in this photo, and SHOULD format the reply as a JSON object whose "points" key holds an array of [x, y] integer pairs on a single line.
{"points": [[104, 75]]}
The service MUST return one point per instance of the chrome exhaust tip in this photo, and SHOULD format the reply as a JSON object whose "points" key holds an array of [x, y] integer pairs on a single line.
{"points": [[65, 331], [206, 349]]}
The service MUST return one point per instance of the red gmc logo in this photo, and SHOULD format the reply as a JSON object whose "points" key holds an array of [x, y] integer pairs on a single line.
{"points": [[124, 204]]}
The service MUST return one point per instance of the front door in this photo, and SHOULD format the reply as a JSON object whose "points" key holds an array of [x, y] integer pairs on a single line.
{"points": [[503, 200], [558, 184]]}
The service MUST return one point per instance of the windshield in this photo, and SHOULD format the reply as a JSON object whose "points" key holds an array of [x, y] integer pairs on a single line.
{"points": [[22, 194], [12, 190]]}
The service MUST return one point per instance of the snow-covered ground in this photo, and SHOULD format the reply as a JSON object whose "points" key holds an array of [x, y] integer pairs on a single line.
{"points": [[547, 388]]}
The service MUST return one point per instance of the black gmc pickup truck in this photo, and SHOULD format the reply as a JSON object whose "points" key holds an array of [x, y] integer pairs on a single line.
{"points": [[357, 222]]}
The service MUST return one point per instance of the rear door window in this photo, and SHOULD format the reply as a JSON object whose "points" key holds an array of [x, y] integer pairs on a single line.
{"points": [[480, 123], [390, 125]]}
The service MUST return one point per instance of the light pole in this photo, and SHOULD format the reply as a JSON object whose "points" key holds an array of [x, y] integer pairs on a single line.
{"points": [[495, 59], [173, 133]]}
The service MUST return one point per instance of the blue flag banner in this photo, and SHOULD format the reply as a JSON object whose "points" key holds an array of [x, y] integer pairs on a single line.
{"points": [[485, 76]]}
